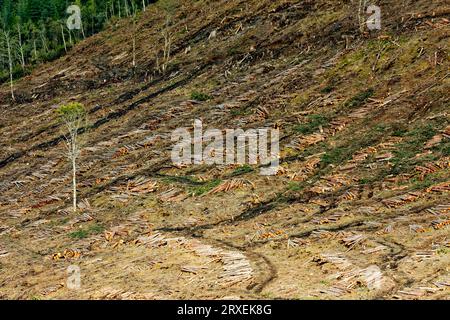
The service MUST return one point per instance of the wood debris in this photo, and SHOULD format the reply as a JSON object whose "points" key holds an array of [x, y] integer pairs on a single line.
{"points": [[294, 243], [139, 185], [339, 260], [441, 209], [446, 132], [441, 187], [353, 240], [193, 269], [51, 289], [236, 267], [333, 218], [309, 140], [384, 157], [230, 185], [374, 250], [423, 255], [308, 167], [120, 294], [437, 139], [173, 195], [4, 253], [154, 240], [440, 223], [120, 231], [336, 290], [85, 217], [67, 254], [401, 200], [322, 234], [417, 228]]}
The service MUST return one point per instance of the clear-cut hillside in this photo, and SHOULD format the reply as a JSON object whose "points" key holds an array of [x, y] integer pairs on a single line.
{"points": [[360, 207]]}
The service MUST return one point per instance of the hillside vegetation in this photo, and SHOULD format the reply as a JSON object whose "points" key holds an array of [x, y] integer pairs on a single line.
{"points": [[360, 206]]}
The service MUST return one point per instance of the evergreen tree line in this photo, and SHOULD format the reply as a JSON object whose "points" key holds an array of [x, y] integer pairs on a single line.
{"points": [[35, 31]]}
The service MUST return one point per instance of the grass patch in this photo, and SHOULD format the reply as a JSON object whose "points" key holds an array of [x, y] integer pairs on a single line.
{"points": [[199, 96], [84, 233], [204, 188], [242, 170], [181, 179], [427, 182], [294, 186], [344, 152], [405, 154], [79, 234], [359, 99], [96, 229], [443, 149]]}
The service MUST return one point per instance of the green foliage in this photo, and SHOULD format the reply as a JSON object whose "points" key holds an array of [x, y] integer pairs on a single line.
{"points": [[71, 111], [18, 72], [405, 153], [79, 234], [169, 6], [96, 229], [359, 99], [242, 170], [428, 181], [84, 233], [443, 148], [204, 188], [195, 95], [36, 27], [313, 124], [52, 55], [334, 156], [294, 186], [346, 150]]}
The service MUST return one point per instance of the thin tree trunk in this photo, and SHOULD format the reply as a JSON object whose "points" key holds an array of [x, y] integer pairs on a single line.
{"points": [[34, 49], [167, 45], [10, 62], [143, 5], [22, 57], [82, 30], [127, 11], [64, 38], [44, 41], [74, 176], [134, 42]]}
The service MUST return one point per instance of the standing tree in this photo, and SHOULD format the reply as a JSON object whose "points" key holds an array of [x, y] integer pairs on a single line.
{"points": [[22, 56], [73, 115], [134, 18], [8, 44], [169, 8]]}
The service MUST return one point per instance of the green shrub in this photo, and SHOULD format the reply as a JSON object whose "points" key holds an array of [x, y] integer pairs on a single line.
{"points": [[18, 72], [80, 234], [84, 233], [404, 155], [313, 124], [200, 96], [359, 99], [204, 188], [242, 170]]}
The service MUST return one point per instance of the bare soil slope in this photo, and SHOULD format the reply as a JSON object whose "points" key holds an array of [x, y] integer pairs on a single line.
{"points": [[360, 208]]}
